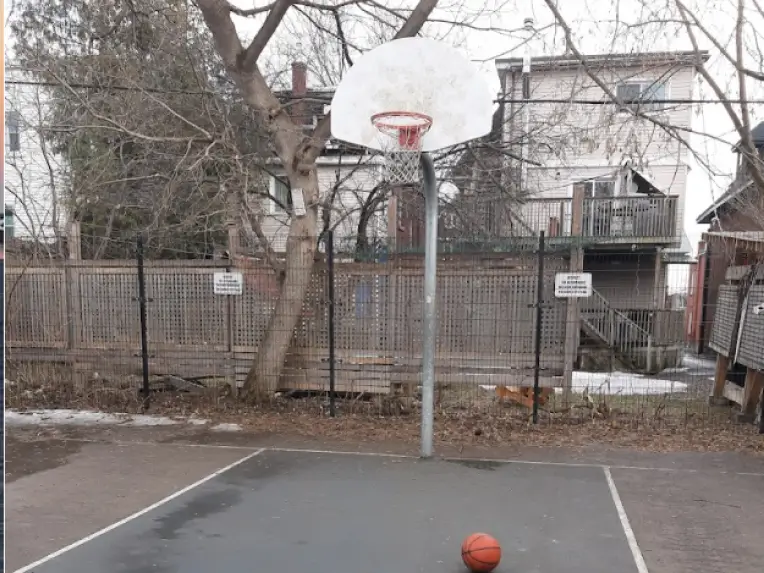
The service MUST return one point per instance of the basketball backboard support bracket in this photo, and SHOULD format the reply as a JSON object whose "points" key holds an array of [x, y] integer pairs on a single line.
{"points": [[402, 82]]}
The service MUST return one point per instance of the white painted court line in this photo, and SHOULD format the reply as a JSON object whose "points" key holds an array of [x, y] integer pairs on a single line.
{"points": [[166, 444], [144, 511], [414, 457], [636, 552], [344, 453]]}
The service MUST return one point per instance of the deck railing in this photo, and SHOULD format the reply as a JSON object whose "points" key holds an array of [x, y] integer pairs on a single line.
{"points": [[605, 219]]}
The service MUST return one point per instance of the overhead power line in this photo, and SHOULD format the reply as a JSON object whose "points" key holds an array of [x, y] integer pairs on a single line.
{"points": [[76, 85], [328, 98], [645, 102]]}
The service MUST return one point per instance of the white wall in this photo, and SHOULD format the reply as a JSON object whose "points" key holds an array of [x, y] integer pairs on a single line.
{"points": [[356, 181], [33, 174], [598, 136], [574, 142]]}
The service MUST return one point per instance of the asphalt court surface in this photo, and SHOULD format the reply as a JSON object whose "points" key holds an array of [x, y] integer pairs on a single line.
{"points": [[281, 511]]}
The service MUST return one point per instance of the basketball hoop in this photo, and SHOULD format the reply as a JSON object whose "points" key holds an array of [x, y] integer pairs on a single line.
{"points": [[401, 143]]}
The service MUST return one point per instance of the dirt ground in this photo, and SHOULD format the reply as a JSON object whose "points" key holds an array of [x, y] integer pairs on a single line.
{"points": [[691, 511]]}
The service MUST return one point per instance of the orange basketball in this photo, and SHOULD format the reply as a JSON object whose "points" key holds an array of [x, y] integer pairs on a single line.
{"points": [[481, 552]]}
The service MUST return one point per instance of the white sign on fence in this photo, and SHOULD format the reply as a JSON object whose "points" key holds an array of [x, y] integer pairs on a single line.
{"points": [[573, 285], [228, 283]]}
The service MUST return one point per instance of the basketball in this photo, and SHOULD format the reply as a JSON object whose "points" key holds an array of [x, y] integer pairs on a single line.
{"points": [[481, 553]]}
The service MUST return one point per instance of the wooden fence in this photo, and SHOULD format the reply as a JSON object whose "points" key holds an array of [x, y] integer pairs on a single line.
{"points": [[86, 313], [747, 332]]}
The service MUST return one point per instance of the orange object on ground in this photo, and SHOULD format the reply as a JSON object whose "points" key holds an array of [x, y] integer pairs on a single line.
{"points": [[481, 553]]}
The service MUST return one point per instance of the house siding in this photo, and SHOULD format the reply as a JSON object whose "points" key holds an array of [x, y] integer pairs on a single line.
{"points": [[571, 142], [356, 184], [564, 133], [33, 175]]}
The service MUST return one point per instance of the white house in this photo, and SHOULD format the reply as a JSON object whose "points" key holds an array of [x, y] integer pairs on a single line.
{"points": [[33, 172], [346, 174], [633, 166], [585, 142]]}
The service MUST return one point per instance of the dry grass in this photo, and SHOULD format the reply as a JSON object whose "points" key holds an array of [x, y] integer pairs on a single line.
{"points": [[463, 417]]}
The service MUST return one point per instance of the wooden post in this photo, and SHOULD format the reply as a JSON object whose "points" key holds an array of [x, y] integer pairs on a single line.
{"points": [[611, 337], [573, 313], [72, 279], [75, 241], [754, 382], [73, 299], [720, 378], [659, 287]]}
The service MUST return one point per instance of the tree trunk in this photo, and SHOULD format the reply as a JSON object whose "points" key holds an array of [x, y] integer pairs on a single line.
{"points": [[263, 376]]}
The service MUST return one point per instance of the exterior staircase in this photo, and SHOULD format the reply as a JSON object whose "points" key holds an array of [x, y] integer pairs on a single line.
{"points": [[613, 330]]}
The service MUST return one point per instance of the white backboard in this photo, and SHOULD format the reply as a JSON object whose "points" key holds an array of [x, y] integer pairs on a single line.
{"points": [[573, 285], [413, 75]]}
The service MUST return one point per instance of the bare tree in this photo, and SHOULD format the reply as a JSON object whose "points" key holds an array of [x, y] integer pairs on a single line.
{"points": [[735, 78], [184, 164]]}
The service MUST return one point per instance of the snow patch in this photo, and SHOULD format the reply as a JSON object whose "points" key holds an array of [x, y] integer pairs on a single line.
{"points": [[91, 418], [624, 383], [83, 418], [226, 428], [618, 383]]}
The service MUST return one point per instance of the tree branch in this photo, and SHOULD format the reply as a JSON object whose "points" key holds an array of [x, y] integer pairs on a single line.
{"points": [[718, 45], [410, 28], [748, 150], [248, 58]]}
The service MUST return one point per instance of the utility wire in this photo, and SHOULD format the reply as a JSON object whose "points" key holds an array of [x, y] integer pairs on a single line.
{"points": [[630, 102], [328, 98]]}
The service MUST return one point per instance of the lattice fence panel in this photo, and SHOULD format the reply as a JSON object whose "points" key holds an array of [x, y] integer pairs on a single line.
{"points": [[724, 319]]}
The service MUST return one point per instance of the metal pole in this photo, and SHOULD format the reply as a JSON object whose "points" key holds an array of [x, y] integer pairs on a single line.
{"points": [[539, 316], [330, 278], [430, 312], [526, 87], [143, 314], [704, 299]]}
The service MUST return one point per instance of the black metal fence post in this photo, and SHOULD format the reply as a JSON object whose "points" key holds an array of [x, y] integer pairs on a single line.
{"points": [[701, 342], [539, 316], [330, 292], [144, 334]]}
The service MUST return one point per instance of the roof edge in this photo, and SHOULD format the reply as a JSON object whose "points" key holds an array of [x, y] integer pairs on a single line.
{"points": [[707, 216], [623, 59]]}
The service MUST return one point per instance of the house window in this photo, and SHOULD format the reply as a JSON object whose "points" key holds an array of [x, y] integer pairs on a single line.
{"points": [[642, 95], [8, 226], [281, 193], [599, 188], [13, 130]]}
